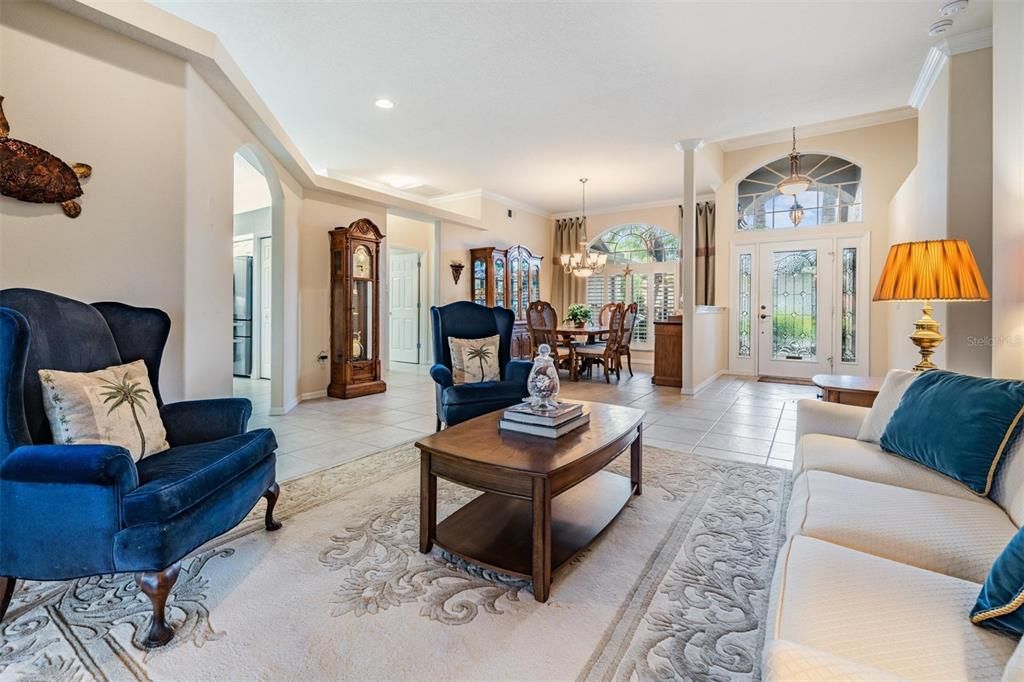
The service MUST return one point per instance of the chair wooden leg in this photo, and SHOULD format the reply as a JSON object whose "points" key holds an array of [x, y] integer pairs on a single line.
{"points": [[273, 492], [607, 367], [7, 584], [629, 362], [157, 586], [437, 424]]}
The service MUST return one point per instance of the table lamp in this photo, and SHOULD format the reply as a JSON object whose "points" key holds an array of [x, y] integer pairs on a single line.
{"points": [[939, 270]]}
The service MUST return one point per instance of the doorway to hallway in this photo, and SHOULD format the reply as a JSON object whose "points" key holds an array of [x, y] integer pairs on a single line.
{"points": [[405, 305]]}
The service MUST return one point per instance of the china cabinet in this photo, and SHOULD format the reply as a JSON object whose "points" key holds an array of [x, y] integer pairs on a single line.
{"points": [[509, 278], [355, 310]]}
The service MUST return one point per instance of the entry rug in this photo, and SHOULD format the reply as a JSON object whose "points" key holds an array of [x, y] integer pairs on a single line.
{"points": [[677, 587]]}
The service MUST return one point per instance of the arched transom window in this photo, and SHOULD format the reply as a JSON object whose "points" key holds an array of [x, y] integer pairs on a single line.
{"points": [[835, 196], [637, 243]]}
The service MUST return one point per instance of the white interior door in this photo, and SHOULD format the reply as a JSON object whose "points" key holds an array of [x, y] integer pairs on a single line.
{"points": [[794, 314], [404, 307], [266, 283]]}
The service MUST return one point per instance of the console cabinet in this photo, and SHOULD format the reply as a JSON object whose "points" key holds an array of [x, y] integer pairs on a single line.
{"points": [[508, 278]]}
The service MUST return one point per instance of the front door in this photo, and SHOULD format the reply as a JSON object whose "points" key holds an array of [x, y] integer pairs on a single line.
{"points": [[793, 316], [404, 313]]}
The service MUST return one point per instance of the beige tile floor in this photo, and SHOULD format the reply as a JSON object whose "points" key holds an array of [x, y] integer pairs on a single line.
{"points": [[735, 418]]}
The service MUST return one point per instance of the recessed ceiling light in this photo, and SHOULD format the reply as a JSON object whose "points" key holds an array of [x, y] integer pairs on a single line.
{"points": [[939, 27], [385, 104], [951, 8]]}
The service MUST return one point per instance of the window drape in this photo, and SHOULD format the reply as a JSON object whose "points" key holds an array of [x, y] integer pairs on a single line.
{"points": [[704, 258], [566, 289]]}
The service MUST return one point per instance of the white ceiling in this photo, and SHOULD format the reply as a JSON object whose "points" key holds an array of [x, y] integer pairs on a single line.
{"points": [[523, 99]]}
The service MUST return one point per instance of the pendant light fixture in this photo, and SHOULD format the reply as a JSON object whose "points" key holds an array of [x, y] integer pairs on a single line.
{"points": [[796, 182], [796, 213], [583, 263]]}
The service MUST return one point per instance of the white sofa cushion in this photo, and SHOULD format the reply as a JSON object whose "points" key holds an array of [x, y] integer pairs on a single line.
{"points": [[790, 662], [867, 461], [902, 620], [1015, 668], [895, 385], [960, 538]]}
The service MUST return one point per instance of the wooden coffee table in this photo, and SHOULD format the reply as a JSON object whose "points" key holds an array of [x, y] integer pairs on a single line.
{"points": [[544, 500]]}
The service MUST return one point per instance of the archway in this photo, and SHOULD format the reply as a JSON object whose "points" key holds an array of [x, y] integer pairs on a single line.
{"points": [[259, 214]]}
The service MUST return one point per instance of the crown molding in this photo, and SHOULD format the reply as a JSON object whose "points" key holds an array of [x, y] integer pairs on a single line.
{"points": [[625, 208], [491, 196], [934, 62], [838, 125], [692, 144], [162, 31], [937, 57], [969, 42]]}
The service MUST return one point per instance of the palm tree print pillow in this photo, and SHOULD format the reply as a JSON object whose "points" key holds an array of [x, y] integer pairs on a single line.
{"points": [[475, 360], [112, 406]]}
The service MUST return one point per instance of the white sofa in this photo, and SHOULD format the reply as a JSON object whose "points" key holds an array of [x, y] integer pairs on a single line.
{"points": [[883, 561]]}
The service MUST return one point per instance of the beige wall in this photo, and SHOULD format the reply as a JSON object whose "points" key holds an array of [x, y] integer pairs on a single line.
{"points": [[711, 343], [89, 95], [950, 195], [886, 153], [529, 229], [1007, 282], [156, 226], [321, 213]]}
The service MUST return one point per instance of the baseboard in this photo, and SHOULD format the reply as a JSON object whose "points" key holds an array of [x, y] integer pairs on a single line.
{"points": [[704, 384], [288, 407], [313, 395]]}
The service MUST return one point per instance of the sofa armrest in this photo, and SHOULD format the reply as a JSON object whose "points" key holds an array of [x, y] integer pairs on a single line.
{"points": [[518, 371], [96, 465], [442, 376], [831, 419], [202, 421]]}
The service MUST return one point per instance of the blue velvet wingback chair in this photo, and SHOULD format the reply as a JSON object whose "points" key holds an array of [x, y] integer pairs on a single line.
{"points": [[68, 511], [466, 320]]}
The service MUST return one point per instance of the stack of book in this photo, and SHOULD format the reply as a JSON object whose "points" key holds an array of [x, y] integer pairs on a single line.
{"points": [[523, 418]]}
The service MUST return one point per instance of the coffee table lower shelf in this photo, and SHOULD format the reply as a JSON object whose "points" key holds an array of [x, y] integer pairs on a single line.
{"points": [[496, 530]]}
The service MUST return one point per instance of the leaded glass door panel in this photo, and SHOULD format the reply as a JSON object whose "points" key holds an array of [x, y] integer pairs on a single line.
{"points": [[793, 315]]}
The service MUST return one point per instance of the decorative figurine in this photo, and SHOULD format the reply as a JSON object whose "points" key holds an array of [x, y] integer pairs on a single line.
{"points": [[29, 173], [542, 384]]}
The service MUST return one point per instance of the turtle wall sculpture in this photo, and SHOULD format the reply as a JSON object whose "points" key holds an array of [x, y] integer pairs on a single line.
{"points": [[29, 173]]}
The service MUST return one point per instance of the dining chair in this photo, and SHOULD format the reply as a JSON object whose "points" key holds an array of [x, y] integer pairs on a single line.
{"points": [[603, 317], [542, 323], [606, 354], [628, 325]]}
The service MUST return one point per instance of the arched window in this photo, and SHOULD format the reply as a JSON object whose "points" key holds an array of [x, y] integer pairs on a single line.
{"points": [[641, 269], [637, 243], [834, 197]]}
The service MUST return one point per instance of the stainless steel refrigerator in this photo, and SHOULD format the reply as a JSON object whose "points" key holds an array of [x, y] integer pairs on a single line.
{"points": [[242, 319]]}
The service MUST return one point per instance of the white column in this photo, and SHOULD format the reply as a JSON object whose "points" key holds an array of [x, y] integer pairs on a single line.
{"points": [[687, 253]]}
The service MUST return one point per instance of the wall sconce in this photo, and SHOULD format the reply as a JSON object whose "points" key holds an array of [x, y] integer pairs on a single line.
{"points": [[457, 267]]}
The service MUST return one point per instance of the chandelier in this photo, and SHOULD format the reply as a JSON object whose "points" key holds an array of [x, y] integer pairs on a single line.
{"points": [[583, 263], [796, 182]]}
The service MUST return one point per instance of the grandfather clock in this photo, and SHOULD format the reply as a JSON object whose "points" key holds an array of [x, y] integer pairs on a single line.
{"points": [[355, 310]]}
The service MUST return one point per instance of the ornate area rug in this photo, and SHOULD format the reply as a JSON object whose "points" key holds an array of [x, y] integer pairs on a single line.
{"points": [[677, 587]]}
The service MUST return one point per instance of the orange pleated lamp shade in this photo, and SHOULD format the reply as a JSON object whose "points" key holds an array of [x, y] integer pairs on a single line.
{"points": [[939, 270]]}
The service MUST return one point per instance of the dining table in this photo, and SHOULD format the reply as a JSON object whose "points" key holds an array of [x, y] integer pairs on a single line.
{"points": [[591, 331]]}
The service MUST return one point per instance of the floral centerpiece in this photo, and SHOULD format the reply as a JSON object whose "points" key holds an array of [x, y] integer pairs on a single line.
{"points": [[578, 314]]}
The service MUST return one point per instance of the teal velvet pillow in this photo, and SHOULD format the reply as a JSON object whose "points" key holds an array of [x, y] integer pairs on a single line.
{"points": [[957, 425], [999, 603]]}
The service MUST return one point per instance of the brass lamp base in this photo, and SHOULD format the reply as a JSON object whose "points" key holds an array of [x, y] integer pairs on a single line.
{"points": [[927, 338]]}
